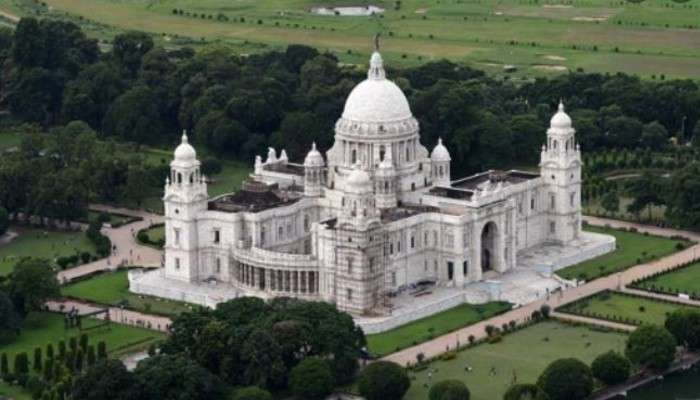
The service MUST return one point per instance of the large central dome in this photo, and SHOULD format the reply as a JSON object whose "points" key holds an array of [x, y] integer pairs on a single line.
{"points": [[376, 99]]}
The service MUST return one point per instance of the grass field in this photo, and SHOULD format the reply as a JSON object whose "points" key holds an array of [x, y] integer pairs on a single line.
{"points": [[632, 248], [625, 308], [33, 242], [523, 354], [42, 328], [112, 288], [652, 38], [685, 280], [427, 328]]}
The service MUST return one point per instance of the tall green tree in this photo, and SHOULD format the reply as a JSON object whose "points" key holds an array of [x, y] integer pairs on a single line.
{"points": [[31, 284]]}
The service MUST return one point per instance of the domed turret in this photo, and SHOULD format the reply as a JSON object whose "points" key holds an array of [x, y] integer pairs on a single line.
{"points": [[440, 160], [440, 152], [185, 152], [313, 172], [560, 120], [358, 181]]}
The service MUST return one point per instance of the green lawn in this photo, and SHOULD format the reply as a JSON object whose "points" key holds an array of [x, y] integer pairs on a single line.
{"points": [[9, 140], [112, 288], [156, 236], [33, 242], [625, 308], [523, 354], [646, 39], [435, 325], [685, 280], [632, 249], [41, 328]]}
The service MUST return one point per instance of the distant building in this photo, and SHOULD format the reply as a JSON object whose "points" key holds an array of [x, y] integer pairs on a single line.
{"points": [[376, 214]]}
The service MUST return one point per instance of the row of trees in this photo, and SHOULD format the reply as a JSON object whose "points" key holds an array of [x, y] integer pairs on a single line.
{"points": [[236, 105]]}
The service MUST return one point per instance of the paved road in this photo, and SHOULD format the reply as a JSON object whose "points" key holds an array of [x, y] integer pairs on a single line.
{"points": [[616, 281], [128, 251]]}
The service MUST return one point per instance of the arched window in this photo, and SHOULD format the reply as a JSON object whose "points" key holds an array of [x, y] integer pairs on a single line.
{"points": [[440, 171], [191, 178], [262, 235], [408, 154], [280, 233], [179, 177], [306, 222], [353, 157], [382, 151], [413, 186]]}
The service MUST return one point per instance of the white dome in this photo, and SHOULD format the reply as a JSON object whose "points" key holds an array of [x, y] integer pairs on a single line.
{"points": [[440, 153], [376, 99], [358, 178], [314, 158], [561, 119], [185, 151]]}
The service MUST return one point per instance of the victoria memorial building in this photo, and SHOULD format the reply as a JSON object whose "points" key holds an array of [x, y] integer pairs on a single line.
{"points": [[377, 225]]}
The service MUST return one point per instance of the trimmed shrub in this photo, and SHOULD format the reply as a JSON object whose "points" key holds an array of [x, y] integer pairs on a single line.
{"points": [[611, 368], [566, 379], [383, 380], [311, 379], [450, 389]]}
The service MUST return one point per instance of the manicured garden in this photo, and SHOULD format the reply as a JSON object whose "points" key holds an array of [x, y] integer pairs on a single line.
{"points": [[624, 308], [632, 248], [433, 326], [683, 280], [42, 328], [49, 244], [112, 288], [520, 356], [153, 236]]}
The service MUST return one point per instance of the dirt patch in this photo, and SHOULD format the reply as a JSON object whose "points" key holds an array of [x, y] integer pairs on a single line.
{"points": [[555, 58], [421, 11], [557, 6], [552, 68], [590, 19]]}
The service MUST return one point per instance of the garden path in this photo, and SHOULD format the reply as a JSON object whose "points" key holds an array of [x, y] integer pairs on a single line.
{"points": [[593, 321], [660, 296], [127, 250], [616, 281], [117, 314]]}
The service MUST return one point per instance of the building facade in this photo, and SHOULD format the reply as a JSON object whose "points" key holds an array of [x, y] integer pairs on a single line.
{"points": [[376, 215]]}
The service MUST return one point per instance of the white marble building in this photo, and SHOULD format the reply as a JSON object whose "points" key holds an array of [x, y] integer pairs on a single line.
{"points": [[376, 215]]}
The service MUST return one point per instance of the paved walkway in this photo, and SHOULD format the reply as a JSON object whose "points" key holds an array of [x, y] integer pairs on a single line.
{"points": [[593, 321], [665, 297], [614, 282], [128, 251], [127, 317]]}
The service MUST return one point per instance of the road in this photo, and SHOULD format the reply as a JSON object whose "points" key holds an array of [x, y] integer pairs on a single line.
{"points": [[128, 251]]}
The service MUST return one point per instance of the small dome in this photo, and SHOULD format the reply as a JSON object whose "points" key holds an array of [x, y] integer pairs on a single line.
{"points": [[358, 178], [376, 99], [185, 151], [561, 119], [314, 158], [440, 153]]}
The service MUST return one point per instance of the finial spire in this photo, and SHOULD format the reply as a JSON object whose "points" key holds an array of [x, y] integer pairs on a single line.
{"points": [[561, 105], [313, 146], [184, 136], [376, 42]]}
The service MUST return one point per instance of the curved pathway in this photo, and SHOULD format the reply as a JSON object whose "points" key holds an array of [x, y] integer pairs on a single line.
{"points": [[128, 251], [117, 314], [616, 281]]}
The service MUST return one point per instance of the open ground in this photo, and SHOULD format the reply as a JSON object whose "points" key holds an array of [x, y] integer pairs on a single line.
{"points": [[519, 356], [655, 37]]}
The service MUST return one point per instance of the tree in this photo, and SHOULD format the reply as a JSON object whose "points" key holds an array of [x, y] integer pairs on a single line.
{"points": [[37, 364], [651, 346], [165, 377], [383, 380], [566, 379], [311, 379], [683, 196], [252, 393], [684, 325], [21, 366], [32, 283], [611, 368], [450, 389], [524, 391], [297, 55], [4, 220], [10, 321], [610, 202], [129, 48], [135, 116], [4, 366], [106, 380], [654, 136], [88, 97]]}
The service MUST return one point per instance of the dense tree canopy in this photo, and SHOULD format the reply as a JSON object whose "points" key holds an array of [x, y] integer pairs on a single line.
{"points": [[31, 283], [106, 380], [684, 325], [566, 379], [611, 368], [651, 346], [383, 380], [175, 377]]}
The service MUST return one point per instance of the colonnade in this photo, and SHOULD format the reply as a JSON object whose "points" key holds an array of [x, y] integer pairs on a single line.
{"points": [[275, 280]]}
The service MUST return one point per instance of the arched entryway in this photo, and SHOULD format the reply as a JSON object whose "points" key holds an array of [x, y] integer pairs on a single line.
{"points": [[488, 247]]}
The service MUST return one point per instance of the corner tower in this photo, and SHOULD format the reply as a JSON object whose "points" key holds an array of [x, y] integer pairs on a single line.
{"points": [[185, 197], [560, 168]]}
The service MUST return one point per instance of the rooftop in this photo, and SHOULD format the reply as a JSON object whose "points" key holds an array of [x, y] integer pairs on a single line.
{"points": [[254, 197], [494, 176], [406, 211], [286, 168]]}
